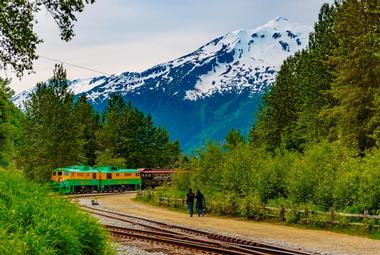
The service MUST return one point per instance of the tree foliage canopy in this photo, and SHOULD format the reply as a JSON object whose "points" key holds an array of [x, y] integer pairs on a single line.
{"points": [[18, 39]]}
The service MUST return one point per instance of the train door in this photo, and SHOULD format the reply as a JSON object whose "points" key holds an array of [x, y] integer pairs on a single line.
{"points": [[59, 176]]}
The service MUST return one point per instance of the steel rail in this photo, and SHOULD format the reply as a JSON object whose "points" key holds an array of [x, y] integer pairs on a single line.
{"points": [[152, 236], [248, 244], [193, 239], [97, 194]]}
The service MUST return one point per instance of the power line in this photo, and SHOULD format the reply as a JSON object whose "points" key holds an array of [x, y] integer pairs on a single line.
{"points": [[78, 66]]}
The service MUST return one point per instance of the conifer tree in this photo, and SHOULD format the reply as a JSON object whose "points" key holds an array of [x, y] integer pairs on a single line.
{"points": [[315, 79], [127, 133], [6, 130], [279, 112], [356, 74], [233, 138], [52, 136], [88, 121], [292, 116]]}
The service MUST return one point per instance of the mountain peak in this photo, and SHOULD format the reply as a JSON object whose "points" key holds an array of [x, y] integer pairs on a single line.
{"points": [[280, 19], [242, 60], [208, 91]]}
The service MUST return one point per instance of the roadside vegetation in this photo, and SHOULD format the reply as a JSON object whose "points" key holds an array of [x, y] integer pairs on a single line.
{"points": [[31, 222], [316, 143], [56, 130]]}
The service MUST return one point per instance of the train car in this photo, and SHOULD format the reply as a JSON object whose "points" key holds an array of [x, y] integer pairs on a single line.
{"points": [[112, 178], [84, 179], [153, 177], [75, 179]]}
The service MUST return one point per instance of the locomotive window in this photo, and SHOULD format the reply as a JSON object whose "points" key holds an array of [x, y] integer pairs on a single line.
{"points": [[125, 174], [109, 176], [54, 173], [137, 174], [80, 174], [72, 174], [59, 173], [66, 173], [128, 174], [117, 174]]}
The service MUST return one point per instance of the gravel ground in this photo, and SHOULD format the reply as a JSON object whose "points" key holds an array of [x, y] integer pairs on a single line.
{"points": [[124, 249], [323, 242], [135, 247]]}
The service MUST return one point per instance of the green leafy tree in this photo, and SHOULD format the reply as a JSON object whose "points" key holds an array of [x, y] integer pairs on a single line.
{"points": [[106, 158], [18, 38]]}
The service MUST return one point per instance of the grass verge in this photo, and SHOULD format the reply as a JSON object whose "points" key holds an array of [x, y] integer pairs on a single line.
{"points": [[31, 222]]}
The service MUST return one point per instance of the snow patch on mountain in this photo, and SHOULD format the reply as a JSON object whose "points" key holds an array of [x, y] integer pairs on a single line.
{"points": [[243, 60], [257, 55]]}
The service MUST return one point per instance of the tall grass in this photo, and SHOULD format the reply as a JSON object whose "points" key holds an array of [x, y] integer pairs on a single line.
{"points": [[31, 222]]}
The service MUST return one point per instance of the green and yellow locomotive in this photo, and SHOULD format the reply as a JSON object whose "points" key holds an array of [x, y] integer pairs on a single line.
{"points": [[84, 179]]}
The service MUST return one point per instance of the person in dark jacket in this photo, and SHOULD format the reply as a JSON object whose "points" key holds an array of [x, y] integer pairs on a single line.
{"points": [[190, 202], [200, 203]]}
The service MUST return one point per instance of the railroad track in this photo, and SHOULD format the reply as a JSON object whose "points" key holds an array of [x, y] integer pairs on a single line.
{"points": [[82, 195], [179, 240], [166, 232]]}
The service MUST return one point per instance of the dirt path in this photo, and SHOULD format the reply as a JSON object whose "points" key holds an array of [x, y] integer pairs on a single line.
{"points": [[316, 240]]}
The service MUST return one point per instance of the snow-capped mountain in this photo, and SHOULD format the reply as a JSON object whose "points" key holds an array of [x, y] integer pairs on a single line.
{"points": [[227, 74]]}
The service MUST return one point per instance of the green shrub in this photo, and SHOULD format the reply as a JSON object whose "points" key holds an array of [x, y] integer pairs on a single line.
{"points": [[31, 222], [293, 215], [251, 207]]}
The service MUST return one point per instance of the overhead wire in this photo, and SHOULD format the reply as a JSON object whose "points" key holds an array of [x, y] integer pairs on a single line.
{"points": [[74, 65]]}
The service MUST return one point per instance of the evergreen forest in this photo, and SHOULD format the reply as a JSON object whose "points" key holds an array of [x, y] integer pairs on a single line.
{"points": [[316, 143], [58, 130]]}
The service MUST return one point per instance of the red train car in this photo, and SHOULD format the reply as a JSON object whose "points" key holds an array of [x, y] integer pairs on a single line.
{"points": [[153, 177]]}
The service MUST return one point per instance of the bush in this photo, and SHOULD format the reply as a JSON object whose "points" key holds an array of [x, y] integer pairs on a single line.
{"points": [[250, 207], [31, 222]]}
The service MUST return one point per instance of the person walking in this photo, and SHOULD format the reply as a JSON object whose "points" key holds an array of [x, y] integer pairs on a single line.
{"points": [[190, 201], [200, 203]]}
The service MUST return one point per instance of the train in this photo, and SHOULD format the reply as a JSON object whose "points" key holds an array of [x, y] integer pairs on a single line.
{"points": [[85, 179], [153, 177]]}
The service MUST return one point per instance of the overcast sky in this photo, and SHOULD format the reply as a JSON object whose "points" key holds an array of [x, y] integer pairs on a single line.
{"points": [[114, 36]]}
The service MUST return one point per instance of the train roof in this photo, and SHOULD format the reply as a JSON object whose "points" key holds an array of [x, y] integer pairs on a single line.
{"points": [[76, 169], [157, 171], [102, 169], [145, 170], [107, 169]]}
